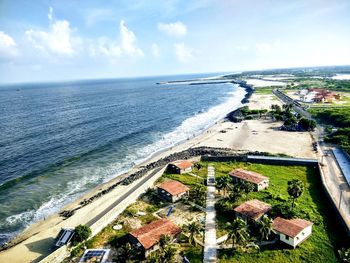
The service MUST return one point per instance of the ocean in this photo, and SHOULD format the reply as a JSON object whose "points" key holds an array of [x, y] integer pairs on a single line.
{"points": [[59, 140]]}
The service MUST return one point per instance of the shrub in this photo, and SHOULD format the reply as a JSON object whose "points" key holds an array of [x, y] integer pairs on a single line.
{"points": [[81, 233]]}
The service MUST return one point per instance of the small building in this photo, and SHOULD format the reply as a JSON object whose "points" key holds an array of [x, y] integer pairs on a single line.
{"points": [[172, 191], [252, 210], [145, 239], [240, 176], [64, 236], [95, 255], [180, 167], [293, 231]]}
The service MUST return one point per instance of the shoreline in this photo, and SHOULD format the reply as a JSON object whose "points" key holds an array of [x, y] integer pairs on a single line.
{"points": [[155, 160]]}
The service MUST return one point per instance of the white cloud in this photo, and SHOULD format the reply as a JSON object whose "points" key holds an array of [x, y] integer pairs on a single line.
{"points": [[173, 29], [183, 53], [58, 39], [8, 47], [155, 50], [127, 45]]}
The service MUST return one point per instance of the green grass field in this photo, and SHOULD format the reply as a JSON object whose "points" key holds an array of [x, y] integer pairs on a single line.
{"points": [[327, 234]]}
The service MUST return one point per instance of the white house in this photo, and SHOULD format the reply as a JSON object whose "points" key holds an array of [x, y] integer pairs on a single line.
{"points": [[180, 166], [293, 231], [239, 175], [172, 190], [252, 210]]}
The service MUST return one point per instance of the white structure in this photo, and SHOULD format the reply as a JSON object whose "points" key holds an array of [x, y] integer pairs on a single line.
{"points": [[240, 176], [293, 231], [180, 167], [95, 255]]}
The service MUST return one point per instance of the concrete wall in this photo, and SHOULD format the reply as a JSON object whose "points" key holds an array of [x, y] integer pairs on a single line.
{"points": [[57, 256]]}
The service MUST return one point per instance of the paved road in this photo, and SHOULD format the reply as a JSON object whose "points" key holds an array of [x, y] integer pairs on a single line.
{"points": [[334, 180], [121, 199], [210, 245]]}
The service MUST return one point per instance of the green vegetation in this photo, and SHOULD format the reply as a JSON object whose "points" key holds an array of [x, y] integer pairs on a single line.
{"points": [[312, 205], [250, 114], [339, 118], [81, 233], [264, 90]]}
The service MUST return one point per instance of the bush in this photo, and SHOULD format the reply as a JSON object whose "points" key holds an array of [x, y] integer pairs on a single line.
{"points": [[81, 233]]}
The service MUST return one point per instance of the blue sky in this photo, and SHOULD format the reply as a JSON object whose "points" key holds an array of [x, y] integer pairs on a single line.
{"points": [[47, 40]]}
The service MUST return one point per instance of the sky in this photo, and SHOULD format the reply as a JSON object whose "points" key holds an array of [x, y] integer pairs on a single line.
{"points": [[52, 40]]}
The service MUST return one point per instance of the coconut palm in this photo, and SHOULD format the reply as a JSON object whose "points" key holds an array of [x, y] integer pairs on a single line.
{"points": [[247, 188], [238, 233], [295, 189], [236, 193], [265, 227], [164, 241], [193, 229], [168, 254], [223, 183]]}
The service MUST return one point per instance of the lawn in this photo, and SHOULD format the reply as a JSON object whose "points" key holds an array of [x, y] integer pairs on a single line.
{"points": [[312, 205]]}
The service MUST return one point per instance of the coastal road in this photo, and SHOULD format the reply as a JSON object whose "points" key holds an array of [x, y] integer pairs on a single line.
{"points": [[124, 196], [334, 180]]}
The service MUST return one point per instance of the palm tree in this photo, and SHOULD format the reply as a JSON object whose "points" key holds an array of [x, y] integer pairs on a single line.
{"points": [[248, 187], [164, 241], [295, 189], [168, 254], [193, 229], [126, 252], [223, 183], [236, 193], [238, 233], [197, 193], [265, 227]]}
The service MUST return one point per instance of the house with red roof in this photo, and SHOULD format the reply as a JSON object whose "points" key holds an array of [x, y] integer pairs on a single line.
{"points": [[241, 176], [252, 210], [180, 167], [146, 239], [292, 231], [172, 191]]}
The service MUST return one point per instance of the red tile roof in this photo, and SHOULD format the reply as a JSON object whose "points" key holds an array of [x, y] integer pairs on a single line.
{"points": [[253, 209], [249, 176], [150, 234], [182, 164], [174, 187], [290, 227]]}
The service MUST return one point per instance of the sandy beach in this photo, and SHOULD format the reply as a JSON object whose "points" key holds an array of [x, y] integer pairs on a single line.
{"points": [[250, 135]]}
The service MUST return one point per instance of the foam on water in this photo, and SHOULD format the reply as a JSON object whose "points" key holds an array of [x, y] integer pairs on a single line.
{"points": [[91, 176]]}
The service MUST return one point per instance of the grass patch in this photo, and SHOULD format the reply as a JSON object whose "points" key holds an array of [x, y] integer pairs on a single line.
{"points": [[313, 205], [186, 179], [263, 90]]}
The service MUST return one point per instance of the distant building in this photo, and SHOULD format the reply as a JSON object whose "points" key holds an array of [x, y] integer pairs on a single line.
{"points": [[180, 167], [145, 239], [252, 210], [293, 231], [240, 176], [324, 96], [95, 255], [172, 190]]}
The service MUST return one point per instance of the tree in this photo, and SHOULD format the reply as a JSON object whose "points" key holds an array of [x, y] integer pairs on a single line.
{"points": [[193, 229], [81, 233], [223, 183], [247, 188], [236, 193], [295, 189], [197, 194], [265, 227], [168, 254], [164, 241], [238, 233], [198, 166]]}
